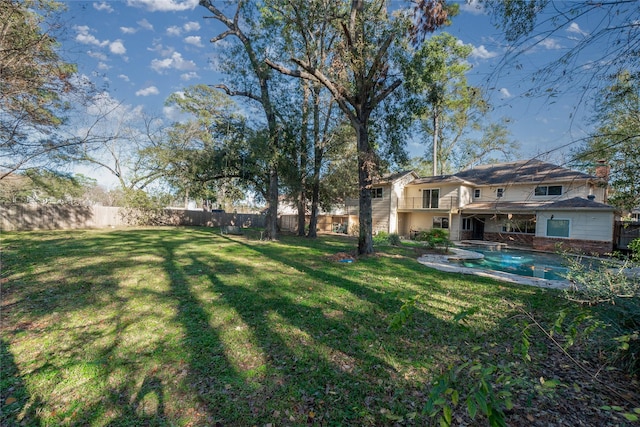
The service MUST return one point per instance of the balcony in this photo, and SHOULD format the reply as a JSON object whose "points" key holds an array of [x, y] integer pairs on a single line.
{"points": [[418, 203]]}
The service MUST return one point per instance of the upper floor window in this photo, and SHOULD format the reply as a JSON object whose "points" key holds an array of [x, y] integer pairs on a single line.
{"points": [[476, 193], [430, 199], [548, 190], [376, 193], [499, 192]]}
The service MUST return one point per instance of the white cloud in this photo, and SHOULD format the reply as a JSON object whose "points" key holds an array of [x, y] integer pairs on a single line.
{"points": [[103, 66], [505, 93], [151, 90], [481, 52], [145, 24], [194, 40], [189, 76], [160, 49], [172, 113], [117, 47], [174, 31], [191, 26], [164, 5], [103, 6], [128, 30], [472, 6], [85, 37], [550, 44], [124, 77], [175, 62], [97, 55], [574, 28]]}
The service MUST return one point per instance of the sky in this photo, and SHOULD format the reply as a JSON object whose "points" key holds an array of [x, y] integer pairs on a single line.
{"points": [[138, 52]]}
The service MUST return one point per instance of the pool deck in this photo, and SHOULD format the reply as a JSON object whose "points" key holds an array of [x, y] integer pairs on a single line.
{"points": [[441, 262]]}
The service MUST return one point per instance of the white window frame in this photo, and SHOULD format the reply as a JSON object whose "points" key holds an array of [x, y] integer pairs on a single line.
{"points": [[546, 190], [500, 192], [546, 231], [430, 190], [467, 224], [477, 193]]}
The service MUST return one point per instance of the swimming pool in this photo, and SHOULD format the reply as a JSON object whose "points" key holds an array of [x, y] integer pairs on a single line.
{"points": [[523, 263]]}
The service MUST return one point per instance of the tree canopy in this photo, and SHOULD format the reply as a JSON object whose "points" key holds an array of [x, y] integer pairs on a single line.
{"points": [[34, 84]]}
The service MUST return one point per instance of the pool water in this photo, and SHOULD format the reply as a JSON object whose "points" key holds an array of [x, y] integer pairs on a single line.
{"points": [[523, 263]]}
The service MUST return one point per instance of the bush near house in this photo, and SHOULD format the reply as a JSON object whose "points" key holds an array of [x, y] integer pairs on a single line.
{"points": [[435, 238]]}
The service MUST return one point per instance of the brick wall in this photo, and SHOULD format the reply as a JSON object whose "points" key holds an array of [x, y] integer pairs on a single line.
{"points": [[571, 245]]}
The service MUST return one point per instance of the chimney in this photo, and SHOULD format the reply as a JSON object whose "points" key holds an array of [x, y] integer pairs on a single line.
{"points": [[591, 197], [602, 170]]}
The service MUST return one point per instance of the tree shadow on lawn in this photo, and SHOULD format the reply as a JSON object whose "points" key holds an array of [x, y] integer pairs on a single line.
{"points": [[245, 348]]}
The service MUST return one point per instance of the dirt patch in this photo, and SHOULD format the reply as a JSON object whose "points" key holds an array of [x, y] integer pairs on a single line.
{"points": [[342, 257]]}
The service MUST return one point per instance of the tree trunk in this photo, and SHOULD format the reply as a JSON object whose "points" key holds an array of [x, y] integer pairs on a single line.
{"points": [[271, 220], [302, 211], [366, 163], [318, 151], [435, 145]]}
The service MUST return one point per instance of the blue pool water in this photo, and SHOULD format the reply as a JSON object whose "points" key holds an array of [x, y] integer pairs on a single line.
{"points": [[523, 263]]}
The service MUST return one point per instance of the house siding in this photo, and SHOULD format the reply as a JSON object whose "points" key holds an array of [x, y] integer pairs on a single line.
{"points": [[587, 226]]}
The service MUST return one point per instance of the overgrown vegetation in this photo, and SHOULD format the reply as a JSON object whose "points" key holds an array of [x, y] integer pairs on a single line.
{"points": [[184, 326]]}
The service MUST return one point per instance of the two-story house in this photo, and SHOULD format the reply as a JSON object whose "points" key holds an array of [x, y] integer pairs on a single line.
{"points": [[526, 203]]}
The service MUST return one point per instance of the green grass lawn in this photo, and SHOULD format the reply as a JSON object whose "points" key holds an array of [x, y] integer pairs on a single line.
{"points": [[184, 326]]}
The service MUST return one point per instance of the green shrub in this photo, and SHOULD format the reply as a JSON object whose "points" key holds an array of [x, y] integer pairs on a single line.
{"points": [[394, 239], [609, 284], [436, 237]]}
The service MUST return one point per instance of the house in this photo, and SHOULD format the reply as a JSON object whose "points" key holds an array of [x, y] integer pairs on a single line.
{"points": [[526, 203]]}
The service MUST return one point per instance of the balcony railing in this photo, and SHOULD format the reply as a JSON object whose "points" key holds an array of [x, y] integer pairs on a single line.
{"points": [[444, 203]]}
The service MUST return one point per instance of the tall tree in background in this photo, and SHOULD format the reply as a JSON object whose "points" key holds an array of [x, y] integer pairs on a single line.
{"points": [[450, 110], [34, 81], [320, 121], [255, 86], [616, 141], [213, 154], [360, 73]]}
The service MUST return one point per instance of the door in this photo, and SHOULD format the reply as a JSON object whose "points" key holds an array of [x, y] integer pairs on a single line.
{"points": [[478, 229]]}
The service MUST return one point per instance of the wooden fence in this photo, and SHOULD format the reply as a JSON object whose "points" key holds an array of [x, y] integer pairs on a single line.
{"points": [[53, 217], [625, 233]]}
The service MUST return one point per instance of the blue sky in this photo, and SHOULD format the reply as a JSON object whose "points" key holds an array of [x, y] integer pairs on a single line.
{"points": [[141, 51]]}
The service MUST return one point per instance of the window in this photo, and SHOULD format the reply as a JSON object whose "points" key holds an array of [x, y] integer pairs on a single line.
{"points": [[440, 222], [558, 227], [466, 224], [499, 192], [476, 193], [430, 199], [376, 193], [548, 190]]}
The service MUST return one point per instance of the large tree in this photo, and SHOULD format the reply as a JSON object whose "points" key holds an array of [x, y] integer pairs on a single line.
{"points": [[212, 154], [616, 140], [35, 83], [360, 72], [253, 81], [454, 113]]}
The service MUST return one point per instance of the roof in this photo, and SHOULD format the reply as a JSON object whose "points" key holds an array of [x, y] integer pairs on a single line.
{"points": [[575, 203], [389, 178], [578, 203], [520, 172]]}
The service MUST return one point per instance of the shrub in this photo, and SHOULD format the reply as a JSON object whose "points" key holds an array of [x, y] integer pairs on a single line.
{"points": [[610, 284], [436, 237]]}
